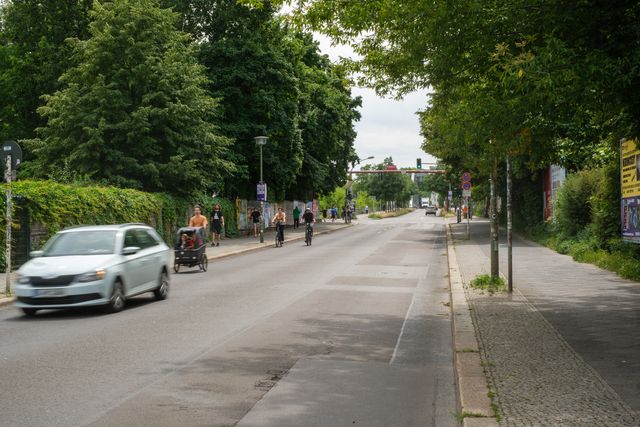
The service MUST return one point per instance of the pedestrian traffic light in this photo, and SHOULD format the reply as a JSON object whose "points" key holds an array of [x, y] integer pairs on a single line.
{"points": [[419, 163], [349, 195]]}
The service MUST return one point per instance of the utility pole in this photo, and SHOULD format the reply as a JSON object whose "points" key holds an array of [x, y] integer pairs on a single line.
{"points": [[260, 141], [7, 286], [495, 266], [509, 230]]}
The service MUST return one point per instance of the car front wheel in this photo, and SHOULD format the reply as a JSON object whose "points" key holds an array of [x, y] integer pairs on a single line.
{"points": [[117, 301], [162, 291]]}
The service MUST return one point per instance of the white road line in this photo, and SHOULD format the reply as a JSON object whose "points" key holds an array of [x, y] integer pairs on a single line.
{"points": [[395, 350]]}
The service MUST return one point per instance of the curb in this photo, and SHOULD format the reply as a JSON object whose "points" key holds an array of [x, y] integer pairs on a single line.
{"points": [[473, 391], [6, 301], [268, 245]]}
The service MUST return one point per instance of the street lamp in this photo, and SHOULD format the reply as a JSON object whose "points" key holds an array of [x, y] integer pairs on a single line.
{"points": [[262, 187]]}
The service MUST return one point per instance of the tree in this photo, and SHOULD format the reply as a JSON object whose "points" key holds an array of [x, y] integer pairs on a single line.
{"points": [[272, 81], [328, 113], [33, 55], [134, 111], [386, 187]]}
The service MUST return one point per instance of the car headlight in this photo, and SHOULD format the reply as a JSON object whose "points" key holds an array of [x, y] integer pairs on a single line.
{"points": [[92, 276], [23, 280]]}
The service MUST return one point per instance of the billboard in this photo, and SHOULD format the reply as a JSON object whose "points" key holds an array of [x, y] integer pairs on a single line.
{"points": [[630, 189]]}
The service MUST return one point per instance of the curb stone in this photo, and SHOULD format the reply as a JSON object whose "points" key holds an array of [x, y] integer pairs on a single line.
{"points": [[473, 391], [6, 301]]}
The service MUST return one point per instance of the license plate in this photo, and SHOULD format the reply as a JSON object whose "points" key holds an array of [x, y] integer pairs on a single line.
{"points": [[48, 293]]}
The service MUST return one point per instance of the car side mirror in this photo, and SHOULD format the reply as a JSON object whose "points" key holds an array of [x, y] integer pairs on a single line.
{"points": [[36, 254], [130, 250]]}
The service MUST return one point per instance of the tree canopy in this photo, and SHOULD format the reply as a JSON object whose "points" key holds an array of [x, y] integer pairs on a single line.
{"points": [[132, 94], [386, 187], [134, 112]]}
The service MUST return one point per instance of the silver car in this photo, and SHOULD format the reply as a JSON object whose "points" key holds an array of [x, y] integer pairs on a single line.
{"points": [[430, 209], [94, 265]]}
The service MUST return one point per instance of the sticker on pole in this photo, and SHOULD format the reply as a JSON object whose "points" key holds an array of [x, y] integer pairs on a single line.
{"points": [[261, 191]]}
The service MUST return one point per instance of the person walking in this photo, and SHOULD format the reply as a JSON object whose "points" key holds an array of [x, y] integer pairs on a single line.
{"points": [[255, 217], [296, 217], [217, 223], [334, 214], [198, 220]]}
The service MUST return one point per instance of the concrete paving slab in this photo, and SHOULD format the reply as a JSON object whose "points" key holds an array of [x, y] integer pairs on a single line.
{"points": [[479, 422], [339, 393]]}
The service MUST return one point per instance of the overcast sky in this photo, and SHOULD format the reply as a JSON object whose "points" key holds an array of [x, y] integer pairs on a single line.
{"points": [[387, 127]]}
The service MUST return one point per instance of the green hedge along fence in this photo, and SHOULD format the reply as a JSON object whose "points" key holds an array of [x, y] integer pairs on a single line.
{"points": [[54, 206]]}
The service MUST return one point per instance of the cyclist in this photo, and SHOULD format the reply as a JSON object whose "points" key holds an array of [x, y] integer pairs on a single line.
{"points": [[308, 220], [279, 220]]}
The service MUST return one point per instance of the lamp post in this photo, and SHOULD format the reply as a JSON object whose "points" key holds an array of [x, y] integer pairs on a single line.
{"points": [[353, 165], [260, 141]]}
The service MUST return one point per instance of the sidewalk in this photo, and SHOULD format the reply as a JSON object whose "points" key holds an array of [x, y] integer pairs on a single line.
{"points": [[233, 246], [565, 348]]}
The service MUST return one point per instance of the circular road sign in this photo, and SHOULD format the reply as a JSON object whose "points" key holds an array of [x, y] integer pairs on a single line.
{"points": [[466, 176], [466, 185], [13, 149]]}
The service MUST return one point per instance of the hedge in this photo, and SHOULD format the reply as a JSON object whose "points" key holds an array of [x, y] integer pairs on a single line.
{"points": [[56, 206]]}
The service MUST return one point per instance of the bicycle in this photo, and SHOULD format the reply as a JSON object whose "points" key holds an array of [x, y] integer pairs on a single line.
{"points": [[308, 234], [279, 234]]}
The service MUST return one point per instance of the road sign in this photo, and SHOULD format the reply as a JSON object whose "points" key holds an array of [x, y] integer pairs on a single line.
{"points": [[262, 192], [466, 194], [466, 176], [466, 186], [450, 195], [11, 148]]}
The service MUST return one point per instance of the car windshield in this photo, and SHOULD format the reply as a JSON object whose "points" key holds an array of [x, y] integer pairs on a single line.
{"points": [[90, 242]]}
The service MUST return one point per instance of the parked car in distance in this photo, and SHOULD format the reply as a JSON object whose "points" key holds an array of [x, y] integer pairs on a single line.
{"points": [[430, 209], [99, 265]]}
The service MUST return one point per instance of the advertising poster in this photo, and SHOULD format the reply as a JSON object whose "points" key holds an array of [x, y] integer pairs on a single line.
{"points": [[630, 186]]}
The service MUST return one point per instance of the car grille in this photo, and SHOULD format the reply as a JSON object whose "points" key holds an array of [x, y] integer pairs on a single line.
{"points": [[54, 281], [69, 299]]}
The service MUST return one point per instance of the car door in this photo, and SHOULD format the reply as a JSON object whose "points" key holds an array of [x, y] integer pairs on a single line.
{"points": [[134, 265], [151, 259]]}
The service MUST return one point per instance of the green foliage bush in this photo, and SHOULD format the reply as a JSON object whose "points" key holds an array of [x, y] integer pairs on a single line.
{"points": [[573, 207], [56, 206], [586, 225]]}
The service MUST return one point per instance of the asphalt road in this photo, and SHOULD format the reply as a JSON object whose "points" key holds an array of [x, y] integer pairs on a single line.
{"points": [[351, 331]]}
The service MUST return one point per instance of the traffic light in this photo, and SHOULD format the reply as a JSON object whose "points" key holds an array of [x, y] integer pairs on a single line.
{"points": [[419, 163], [349, 195]]}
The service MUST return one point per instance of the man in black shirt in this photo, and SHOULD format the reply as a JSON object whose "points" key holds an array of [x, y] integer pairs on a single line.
{"points": [[255, 217]]}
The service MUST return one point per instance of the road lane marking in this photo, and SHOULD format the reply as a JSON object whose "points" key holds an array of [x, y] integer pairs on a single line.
{"points": [[404, 323]]}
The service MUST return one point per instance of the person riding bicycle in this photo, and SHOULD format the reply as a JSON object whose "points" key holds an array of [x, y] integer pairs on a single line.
{"points": [[279, 220], [308, 216]]}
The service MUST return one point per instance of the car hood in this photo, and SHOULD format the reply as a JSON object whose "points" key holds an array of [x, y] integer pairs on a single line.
{"points": [[65, 265]]}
